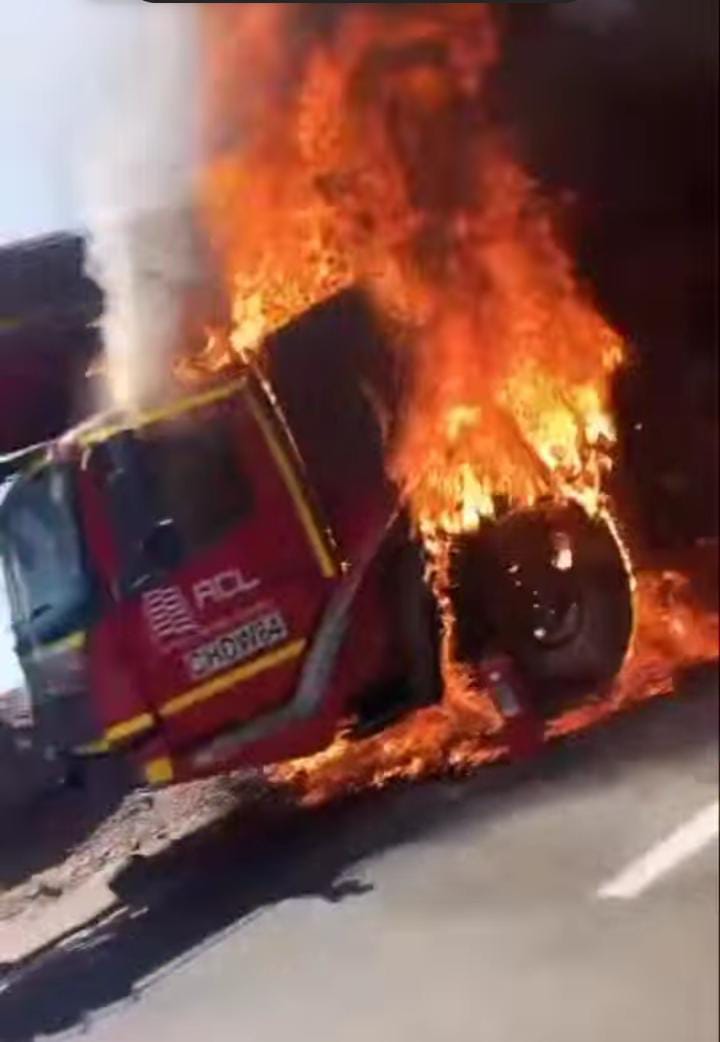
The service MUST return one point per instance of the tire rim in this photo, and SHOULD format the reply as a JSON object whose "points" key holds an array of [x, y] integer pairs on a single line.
{"points": [[556, 623]]}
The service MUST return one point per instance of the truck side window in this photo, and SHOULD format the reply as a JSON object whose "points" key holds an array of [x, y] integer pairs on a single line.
{"points": [[193, 469], [174, 488]]}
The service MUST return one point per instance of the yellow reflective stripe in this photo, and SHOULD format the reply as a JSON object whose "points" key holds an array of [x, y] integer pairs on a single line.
{"points": [[159, 771], [180, 703], [100, 745], [129, 728], [165, 412], [71, 642], [307, 519], [213, 687]]}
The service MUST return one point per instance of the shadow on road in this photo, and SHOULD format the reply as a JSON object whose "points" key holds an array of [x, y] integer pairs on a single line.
{"points": [[225, 875]]}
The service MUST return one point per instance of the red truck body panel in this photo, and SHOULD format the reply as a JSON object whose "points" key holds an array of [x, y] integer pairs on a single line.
{"points": [[221, 640], [236, 542]]}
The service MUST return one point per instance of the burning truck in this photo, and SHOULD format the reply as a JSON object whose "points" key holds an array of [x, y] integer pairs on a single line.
{"points": [[384, 498], [232, 580]]}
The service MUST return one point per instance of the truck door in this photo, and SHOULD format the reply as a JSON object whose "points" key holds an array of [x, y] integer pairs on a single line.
{"points": [[223, 563]]}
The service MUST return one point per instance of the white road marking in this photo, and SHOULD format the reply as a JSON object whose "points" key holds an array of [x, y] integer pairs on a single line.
{"points": [[680, 845]]}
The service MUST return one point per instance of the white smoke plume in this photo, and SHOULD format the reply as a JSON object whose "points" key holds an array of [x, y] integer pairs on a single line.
{"points": [[137, 171]]}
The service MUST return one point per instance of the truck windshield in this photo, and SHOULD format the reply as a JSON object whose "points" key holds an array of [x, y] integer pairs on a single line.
{"points": [[47, 582]]}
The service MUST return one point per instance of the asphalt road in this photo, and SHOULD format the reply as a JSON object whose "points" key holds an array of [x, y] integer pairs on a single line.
{"points": [[453, 911]]}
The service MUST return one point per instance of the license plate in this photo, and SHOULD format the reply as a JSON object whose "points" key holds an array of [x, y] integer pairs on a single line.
{"points": [[239, 644]]}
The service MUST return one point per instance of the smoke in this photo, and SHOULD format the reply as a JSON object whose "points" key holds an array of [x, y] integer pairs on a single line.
{"points": [[137, 172]]}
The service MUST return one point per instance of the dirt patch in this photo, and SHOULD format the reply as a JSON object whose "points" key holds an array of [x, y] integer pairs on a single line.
{"points": [[69, 837]]}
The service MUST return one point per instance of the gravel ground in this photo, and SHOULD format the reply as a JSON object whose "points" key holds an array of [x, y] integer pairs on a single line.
{"points": [[70, 836]]}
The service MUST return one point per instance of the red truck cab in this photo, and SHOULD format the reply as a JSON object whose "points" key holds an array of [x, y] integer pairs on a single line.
{"points": [[185, 591], [230, 579]]}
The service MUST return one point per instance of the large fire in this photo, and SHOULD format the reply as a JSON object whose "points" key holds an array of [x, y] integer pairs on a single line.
{"points": [[367, 156], [355, 144]]}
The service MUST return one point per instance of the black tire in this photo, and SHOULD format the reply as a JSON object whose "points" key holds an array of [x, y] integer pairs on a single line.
{"points": [[551, 587]]}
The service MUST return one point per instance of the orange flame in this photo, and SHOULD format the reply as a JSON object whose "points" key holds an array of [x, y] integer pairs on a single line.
{"points": [[354, 144], [366, 156], [673, 632]]}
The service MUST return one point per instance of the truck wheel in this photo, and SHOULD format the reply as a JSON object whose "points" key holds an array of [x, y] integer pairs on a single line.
{"points": [[551, 587]]}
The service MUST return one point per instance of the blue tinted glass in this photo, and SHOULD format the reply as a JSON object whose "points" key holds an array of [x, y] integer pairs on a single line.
{"points": [[39, 539]]}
